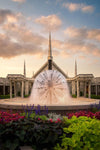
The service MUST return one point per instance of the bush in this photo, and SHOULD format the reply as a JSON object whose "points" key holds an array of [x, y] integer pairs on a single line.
{"points": [[80, 133], [5, 96], [74, 95], [31, 132], [81, 93], [26, 96], [95, 96], [50, 132]]}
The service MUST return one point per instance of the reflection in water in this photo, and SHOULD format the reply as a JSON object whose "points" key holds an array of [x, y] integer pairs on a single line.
{"points": [[50, 88]]}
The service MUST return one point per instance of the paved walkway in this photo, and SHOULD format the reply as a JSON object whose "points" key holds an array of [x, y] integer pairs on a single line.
{"points": [[26, 148]]}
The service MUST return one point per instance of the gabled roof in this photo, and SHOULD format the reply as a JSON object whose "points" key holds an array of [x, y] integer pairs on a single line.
{"points": [[45, 67]]}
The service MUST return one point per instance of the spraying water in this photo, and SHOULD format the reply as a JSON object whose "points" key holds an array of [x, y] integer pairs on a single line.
{"points": [[50, 88]]}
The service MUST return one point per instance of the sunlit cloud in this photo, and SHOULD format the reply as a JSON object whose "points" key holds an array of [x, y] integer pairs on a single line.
{"points": [[19, 1], [18, 39], [94, 34], [78, 6], [9, 16], [50, 23], [80, 40], [11, 49], [76, 32], [87, 9], [83, 33]]}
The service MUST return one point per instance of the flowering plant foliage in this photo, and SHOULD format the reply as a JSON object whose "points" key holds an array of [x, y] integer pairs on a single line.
{"points": [[80, 133], [84, 113], [17, 129], [54, 117], [6, 117], [38, 110]]}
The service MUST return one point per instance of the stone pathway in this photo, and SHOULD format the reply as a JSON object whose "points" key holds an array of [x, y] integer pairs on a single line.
{"points": [[26, 148]]}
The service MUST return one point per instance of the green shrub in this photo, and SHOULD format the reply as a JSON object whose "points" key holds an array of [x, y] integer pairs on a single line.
{"points": [[81, 93], [26, 96], [74, 95], [95, 96], [31, 132], [80, 134], [5, 96]]}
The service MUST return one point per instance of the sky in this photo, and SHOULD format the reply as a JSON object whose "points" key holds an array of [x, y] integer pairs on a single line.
{"points": [[24, 33]]}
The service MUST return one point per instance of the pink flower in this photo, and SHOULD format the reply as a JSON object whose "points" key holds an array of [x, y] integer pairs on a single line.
{"points": [[50, 120]]}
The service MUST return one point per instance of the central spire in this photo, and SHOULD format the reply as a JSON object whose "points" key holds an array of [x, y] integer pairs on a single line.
{"points": [[50, 58], [50, 50]]}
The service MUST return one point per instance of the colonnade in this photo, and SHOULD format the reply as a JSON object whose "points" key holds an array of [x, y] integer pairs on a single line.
{"points": [[24, 88], [76, 88]]}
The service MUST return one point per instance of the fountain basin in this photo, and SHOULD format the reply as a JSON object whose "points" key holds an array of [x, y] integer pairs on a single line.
{"points": [[16, 104]]}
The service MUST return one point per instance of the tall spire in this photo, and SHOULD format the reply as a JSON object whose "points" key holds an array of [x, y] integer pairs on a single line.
{"points": [[75, 68], [24, 69], [50, 50], [50, 58]]}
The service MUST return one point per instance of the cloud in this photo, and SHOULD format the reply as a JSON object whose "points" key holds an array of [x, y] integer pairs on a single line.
{"points": [[83, 33], [82, 40], [9, 48], [76, 32], [79, 6], [87, 9], [50, 23], [22, 33], [19, 1], [94, 34], [8, 16], [19, 40], [16, 39]]}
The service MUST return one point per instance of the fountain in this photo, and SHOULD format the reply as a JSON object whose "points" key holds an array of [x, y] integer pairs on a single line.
{"points": [[50, 88]]}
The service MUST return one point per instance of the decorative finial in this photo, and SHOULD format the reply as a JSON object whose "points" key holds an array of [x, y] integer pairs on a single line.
{"points": [[75, 68], [24, 69]]}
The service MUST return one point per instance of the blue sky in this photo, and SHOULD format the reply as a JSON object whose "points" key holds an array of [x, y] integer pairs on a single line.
{"points": [[75, 28]]}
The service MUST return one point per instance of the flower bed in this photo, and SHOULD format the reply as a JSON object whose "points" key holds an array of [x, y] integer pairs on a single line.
{"points": [[80, 130], [6, 117], [84, 113]]}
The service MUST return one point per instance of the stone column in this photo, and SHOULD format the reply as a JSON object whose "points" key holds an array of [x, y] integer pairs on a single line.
{"points": [[22, 89], [85, 89], [78, 90], [96, 90], [10, 89], [15, 93], [4, 89], [89, 89], [73, 88], [26, 88]]}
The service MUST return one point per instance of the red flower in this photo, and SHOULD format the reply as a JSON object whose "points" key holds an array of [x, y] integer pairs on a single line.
{"points": [[50, 120]]}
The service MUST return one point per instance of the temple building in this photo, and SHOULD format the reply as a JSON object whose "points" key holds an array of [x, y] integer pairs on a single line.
{"points": [[19, 85]]}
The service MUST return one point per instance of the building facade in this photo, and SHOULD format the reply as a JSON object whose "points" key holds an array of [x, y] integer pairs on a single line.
{"points": [[20, 85]]}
